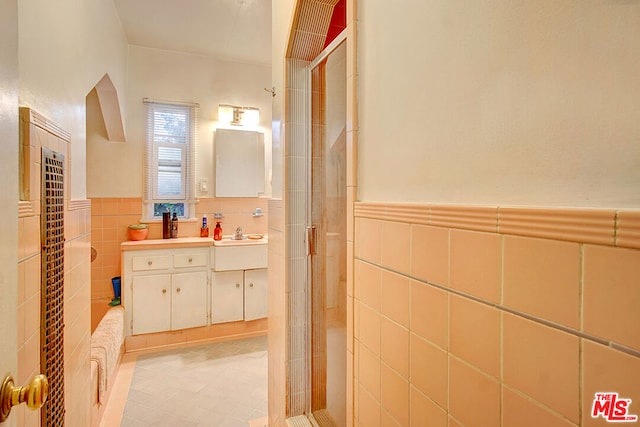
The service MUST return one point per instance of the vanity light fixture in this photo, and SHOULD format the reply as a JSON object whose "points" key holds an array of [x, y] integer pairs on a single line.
{"points": [[238, 116]]}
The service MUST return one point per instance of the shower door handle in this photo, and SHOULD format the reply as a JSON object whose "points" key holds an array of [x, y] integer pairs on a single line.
{"points": [[33, 394], [311, 239]]}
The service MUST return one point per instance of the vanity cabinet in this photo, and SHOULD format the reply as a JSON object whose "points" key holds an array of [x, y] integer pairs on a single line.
{"points": [[239, 282], [165, 289], [238, 295]]}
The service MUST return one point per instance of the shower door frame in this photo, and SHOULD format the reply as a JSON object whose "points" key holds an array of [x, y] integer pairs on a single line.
{"points": [[311, 227]]}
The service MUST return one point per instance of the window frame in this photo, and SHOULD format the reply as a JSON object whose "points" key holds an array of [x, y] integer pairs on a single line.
{"points": [[152, 162]]}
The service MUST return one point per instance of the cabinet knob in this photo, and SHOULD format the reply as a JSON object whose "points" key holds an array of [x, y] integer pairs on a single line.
{"points": [[237, 285], [190, 259], [251, 285], [164, 291], [178, 290], [149, 262]]}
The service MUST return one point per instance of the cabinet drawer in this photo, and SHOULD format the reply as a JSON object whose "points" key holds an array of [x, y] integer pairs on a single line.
{"points": [[190, 260], [150, 262], [239, 257]]}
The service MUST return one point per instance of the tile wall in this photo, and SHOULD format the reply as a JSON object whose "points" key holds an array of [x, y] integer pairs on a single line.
{"points": [[38, 132], [489, 316], [110, 218]]}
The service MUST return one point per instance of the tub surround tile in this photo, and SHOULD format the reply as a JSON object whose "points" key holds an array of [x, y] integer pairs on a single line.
{"points": [[429, 311], [423, 412], [474, 398], [430, 254], [429, 370], [395, 346], [520, 410], [476, 265], [542, 278], [369, 409], [369, 369], [542, 363], [474, 334], [611, 294], [368, 240], [394, 301], [607, 370], [367, 277], [396, 246], [395, 395]]}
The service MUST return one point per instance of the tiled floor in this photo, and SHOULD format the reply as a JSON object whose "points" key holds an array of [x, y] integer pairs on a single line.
{"points": [[215, 385]]}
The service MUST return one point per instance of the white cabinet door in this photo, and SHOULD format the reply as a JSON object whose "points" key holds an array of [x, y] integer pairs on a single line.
{"points": [[151, 303], [255, 294], [188, 300], [227, 296]]}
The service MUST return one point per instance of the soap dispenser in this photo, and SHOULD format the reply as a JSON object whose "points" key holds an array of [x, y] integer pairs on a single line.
{"points": [[204, 230], [217, 232]]}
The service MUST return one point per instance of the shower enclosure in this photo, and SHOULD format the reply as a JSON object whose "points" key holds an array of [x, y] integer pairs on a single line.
{"points": [[327, 215]]}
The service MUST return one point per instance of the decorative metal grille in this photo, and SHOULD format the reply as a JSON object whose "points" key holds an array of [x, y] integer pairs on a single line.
{"points": [[52, 306]]}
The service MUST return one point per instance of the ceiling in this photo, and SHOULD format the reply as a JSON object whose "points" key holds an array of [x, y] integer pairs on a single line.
{"points": [[234, 30]]}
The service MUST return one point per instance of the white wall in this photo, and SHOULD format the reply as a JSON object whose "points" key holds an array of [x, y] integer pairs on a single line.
{"points": [[500, 102], [173, 76], [281, 18], [65, 48], [9, 193]]}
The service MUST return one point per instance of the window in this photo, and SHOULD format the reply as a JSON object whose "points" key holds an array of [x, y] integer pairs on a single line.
{"points": [[169, 159]]}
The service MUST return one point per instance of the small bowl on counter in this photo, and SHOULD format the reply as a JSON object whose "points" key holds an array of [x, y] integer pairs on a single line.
{"points": [[138, 231]]}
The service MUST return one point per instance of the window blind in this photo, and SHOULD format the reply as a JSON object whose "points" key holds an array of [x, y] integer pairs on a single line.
{"points": [[170, 150]]}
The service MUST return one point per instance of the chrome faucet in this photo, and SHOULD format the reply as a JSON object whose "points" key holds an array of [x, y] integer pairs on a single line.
{"points": [[239, 235]]}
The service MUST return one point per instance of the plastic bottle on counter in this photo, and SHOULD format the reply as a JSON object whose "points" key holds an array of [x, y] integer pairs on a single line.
{"points": [[174, 226], [217, 232], [204, 230]]}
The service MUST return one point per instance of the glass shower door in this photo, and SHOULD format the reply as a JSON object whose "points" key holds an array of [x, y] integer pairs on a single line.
{"points": [[328, 216]]}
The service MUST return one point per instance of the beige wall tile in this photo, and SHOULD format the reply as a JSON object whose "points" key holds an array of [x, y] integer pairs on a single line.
{"points": [[396, 246], [543, 363], [542, 277], [368, 238], [368, 367], [423, 412], [395, 346], [394, 301], [476, 264], [369, 414], [430, 254], [474, 398], [474, 333], [612, 294], [519, 410], [608, 370], [369, 328], [429, 313], [367, 284], [395, 395], [429, 370]]}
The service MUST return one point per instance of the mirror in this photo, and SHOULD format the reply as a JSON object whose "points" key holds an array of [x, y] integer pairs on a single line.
{"points": [[239, 163]]}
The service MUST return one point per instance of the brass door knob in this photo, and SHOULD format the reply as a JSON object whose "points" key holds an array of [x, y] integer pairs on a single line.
{"points": [[33, 394]]}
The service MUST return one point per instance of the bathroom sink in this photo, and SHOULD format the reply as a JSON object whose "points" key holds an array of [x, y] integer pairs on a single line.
{"points": [[251, 239]]}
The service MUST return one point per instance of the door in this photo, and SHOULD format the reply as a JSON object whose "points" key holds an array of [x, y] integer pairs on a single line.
{"points": [[227, 296], [328, 215], [255, 294], [151, 300], [189, 300]]}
